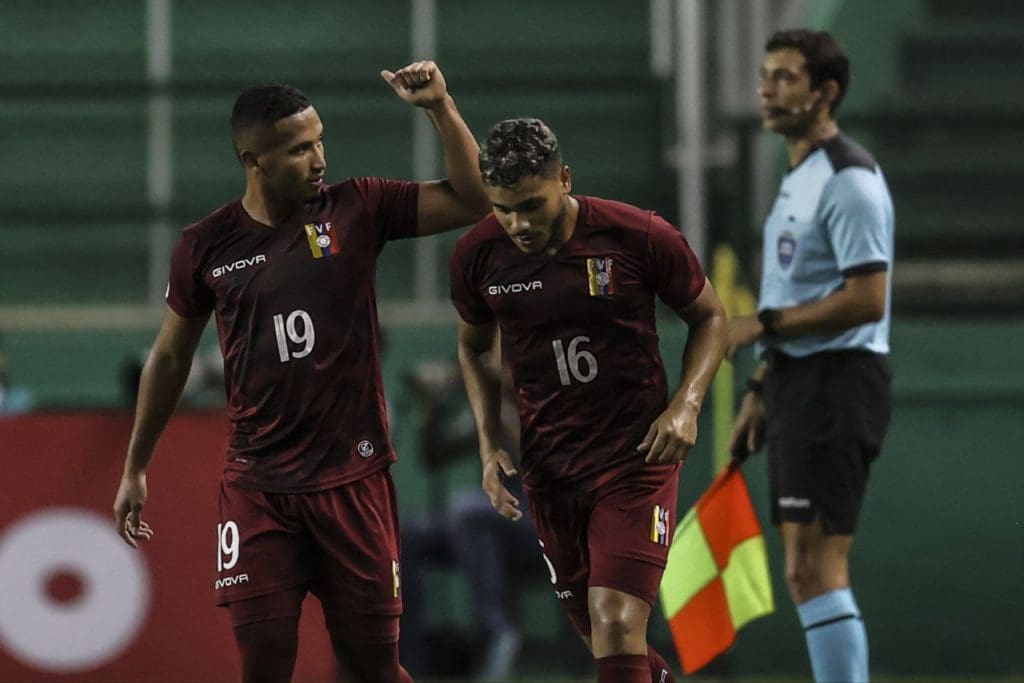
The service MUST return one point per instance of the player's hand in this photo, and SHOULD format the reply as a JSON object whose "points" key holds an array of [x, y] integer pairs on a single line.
{"points": [[670, 437], [748, 432], [131, 496], [505, 503], [421, 84], [743, 331]]}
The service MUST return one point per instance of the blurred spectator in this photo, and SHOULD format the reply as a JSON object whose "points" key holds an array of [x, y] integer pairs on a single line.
{"points": [[496, 556], [203, 388], [14, 398]]}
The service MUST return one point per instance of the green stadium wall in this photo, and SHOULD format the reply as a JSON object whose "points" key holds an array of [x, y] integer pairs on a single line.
{"points": [[870, 32]]}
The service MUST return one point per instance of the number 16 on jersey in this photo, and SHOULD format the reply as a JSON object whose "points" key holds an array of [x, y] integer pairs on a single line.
{"points": [[572, 361]]}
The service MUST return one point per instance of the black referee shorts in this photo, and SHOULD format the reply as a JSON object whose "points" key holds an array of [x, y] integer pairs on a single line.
{"points": [[826, 416]]}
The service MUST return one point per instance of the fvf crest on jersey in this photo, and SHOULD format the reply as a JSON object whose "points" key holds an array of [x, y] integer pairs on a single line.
{"points": [[322, 238]]}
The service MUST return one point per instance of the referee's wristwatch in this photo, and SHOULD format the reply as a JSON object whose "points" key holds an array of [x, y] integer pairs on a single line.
{"points": [[769, 318]]}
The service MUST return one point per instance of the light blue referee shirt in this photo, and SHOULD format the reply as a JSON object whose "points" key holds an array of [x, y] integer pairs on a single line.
{"points": [[833, 217]]}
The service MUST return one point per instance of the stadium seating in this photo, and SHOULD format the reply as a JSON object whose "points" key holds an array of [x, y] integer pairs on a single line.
{"points": [[531, 40], [951, 138], [45, 49], [86, 192]]}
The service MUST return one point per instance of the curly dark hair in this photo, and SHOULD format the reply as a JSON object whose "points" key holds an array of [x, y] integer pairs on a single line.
{"points": [[516, 148], [824, 57]]}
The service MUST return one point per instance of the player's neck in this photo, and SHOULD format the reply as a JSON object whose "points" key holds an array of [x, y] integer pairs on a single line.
{"points": [[799, 146], [572, 211], [265, 208]]}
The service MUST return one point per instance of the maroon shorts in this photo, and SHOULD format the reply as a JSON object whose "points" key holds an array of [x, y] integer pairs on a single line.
{"points": [[616, 536], [341, 544]]}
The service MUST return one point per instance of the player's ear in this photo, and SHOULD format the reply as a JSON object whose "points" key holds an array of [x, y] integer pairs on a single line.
{"points": [[828, 93], [250, 160], [565, 179]]}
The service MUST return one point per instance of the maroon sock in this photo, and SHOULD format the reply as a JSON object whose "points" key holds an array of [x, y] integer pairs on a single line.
{"points": [[661, 672], [623, 669], [404, 677]]}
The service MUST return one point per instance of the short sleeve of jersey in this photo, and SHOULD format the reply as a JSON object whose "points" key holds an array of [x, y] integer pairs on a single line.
{"points": [[675, 273], [392, 205], [187, 293], [855, 214], [465, 293]]}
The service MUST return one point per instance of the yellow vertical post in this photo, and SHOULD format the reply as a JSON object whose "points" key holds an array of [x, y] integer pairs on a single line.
{"points": [[737, 300]]}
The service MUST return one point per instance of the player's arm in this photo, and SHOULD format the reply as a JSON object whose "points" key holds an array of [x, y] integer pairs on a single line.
{"points": [[674, 433], [459, 199], [163, 378], [483, 389]]}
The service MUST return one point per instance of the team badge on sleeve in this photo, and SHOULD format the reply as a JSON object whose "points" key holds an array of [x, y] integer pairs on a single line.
{"points": [[599, 276], [323, 241], [659, 526]]}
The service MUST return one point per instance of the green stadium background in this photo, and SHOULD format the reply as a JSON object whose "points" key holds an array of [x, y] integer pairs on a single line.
{"points": [[89, 198]]}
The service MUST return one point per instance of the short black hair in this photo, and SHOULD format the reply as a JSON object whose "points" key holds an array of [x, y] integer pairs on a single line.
{"points": [[824, 56], [264, 105], [516, 148]]}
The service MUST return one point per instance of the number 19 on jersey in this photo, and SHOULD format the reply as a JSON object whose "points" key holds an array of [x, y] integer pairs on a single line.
{"points": [[288, 332]]}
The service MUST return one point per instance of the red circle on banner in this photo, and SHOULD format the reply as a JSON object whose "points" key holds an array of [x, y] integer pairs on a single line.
{"points": [[65, 587]]}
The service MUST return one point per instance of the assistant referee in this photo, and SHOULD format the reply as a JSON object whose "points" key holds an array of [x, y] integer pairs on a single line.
{"points": [[820, 397]]}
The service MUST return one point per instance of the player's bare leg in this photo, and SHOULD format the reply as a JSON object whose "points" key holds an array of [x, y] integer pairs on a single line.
{"points": [[659, 670], [618, 635], [618, 623]]}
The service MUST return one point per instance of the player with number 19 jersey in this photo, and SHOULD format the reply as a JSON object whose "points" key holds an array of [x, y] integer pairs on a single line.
{"points": [[297, 318], [578, 330]]}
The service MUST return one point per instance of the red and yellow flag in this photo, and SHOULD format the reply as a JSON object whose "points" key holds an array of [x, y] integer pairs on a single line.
{"points": [[717, 576]]}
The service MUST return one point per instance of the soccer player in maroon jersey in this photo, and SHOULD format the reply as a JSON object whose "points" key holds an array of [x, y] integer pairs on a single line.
{"points": [[307, 502], [570, 283]]}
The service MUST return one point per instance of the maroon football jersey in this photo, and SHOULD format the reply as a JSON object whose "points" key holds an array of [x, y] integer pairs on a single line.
{"points": [[578, 331], [297, 318]]}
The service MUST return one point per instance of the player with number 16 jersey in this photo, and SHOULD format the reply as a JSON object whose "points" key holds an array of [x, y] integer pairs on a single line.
{"points": [[578, 330], [570, 282]]}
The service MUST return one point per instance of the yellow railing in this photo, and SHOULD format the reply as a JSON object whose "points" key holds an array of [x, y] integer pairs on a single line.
{"points": [[737, 300]]}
